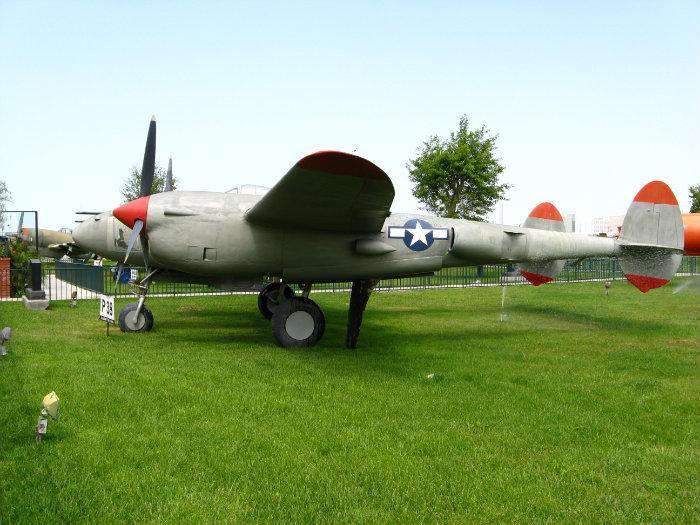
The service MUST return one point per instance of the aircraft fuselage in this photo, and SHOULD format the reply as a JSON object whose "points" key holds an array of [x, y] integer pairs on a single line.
{"points": [[208, 234]]}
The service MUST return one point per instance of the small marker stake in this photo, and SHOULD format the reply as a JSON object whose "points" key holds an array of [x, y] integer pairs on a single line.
{"points": [[41, 425]]}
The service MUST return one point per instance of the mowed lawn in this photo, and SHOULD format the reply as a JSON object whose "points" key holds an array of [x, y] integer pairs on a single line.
{"points": [[576, 407]]}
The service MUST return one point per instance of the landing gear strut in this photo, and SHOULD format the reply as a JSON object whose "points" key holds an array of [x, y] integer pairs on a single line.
{"points": [[359, 296], [137, 317]]}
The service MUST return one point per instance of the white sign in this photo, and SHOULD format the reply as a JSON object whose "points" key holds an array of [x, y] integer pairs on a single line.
{"points": [[134, 274], [97, 262], [107, 308]]}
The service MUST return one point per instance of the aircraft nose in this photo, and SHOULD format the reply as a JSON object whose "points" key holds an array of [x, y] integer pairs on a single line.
{"points": [[132, 211], [79, 233], [90, 234]]}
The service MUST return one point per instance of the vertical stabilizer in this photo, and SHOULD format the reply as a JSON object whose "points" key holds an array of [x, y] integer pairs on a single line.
{"points": [[651, 241], [544, 216]]}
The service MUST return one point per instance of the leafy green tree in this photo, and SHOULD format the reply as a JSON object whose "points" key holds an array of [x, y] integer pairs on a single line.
{"points": [[5, 197], [695, 199], [132, 184], [458, 177]]}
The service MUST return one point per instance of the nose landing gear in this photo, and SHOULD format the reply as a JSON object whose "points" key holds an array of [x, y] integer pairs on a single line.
{"points": [[137, 317], [131, 320]]}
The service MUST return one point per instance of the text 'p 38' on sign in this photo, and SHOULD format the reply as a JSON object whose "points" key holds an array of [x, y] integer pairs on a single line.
{"points": [[107, 308]]}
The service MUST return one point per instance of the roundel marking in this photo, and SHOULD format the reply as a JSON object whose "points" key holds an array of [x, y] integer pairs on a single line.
{"points": [[418, 235]]}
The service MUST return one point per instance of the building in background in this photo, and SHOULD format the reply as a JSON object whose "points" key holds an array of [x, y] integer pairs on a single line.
{"points": [[570, 222], [607, 225]]}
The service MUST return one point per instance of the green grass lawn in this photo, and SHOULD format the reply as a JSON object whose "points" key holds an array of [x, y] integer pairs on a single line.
{"points": [[575, 408]]}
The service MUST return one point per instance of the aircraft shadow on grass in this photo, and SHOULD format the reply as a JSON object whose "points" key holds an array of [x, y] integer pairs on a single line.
{"points": [[630, 326], [213, 325]]}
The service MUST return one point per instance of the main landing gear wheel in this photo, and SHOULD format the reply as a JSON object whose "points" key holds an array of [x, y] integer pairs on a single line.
{"points": [[271, 297], [128, 322], [298, 322]]}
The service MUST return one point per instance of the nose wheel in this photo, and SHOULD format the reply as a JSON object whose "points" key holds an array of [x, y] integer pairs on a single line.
{"points": [[298, 322], [137, 317], [131, 320]]}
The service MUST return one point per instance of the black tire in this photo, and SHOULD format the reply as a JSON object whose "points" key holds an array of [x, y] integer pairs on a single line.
{"points": [[128, 323], [298, 322], [268, 299]]}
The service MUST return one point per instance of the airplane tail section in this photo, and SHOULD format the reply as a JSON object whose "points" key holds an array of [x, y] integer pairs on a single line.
{"points": [[544, 216], [651, 242]]}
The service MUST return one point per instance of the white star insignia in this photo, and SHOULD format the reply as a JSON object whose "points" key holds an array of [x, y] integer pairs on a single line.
{"points": [[419, 234]]}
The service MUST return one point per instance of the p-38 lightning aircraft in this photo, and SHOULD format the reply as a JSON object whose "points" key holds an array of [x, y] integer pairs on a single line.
{"points": [[328, 219]]}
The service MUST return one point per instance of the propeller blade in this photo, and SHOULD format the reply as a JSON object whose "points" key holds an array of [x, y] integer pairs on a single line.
{"points": [[149, 160], [138, 226], [120, 269], [169, 176]]}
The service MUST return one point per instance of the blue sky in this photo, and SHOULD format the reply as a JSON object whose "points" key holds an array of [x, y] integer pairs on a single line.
{"points": [[591, 100]]}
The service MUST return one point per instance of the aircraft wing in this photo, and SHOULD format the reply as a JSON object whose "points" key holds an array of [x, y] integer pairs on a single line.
{"points": [[328, 190]]}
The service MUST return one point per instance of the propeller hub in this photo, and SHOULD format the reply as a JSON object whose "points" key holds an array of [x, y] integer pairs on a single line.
{"points": [[132, 211]]}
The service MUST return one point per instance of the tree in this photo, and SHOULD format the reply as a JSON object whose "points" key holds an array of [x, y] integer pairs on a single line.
{"points": [[695, 199], [458, 177], [132, 184], [5, 197]]}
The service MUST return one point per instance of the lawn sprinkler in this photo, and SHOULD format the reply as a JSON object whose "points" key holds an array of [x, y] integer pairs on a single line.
{"points": [[49, 408], [74, 298], [5, 334], [608, 284]]}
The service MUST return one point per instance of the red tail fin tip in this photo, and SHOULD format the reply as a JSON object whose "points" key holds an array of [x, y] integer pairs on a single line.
{"points": [[536, 279], [645, 282], [546, 210], [656, 192]]}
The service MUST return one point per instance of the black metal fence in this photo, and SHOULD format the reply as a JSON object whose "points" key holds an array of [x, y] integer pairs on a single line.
{"points": [[66, 280]]}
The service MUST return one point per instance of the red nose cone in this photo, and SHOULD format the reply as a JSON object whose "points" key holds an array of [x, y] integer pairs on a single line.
{"points": [[129, 212]]}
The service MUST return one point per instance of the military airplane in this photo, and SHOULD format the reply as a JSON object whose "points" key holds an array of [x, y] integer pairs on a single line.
{"points": [[328, 220], [53, 244], [691, 224]]}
